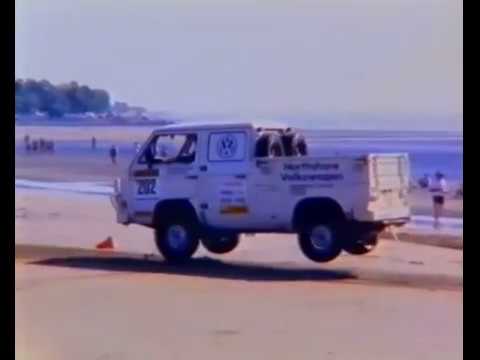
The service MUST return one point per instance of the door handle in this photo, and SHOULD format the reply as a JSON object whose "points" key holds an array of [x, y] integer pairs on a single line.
{"points": [[192, 177], [241, 176]]}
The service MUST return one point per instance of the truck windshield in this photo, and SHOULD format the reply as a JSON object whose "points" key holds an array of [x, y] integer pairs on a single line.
{"points": [[174, 148]]}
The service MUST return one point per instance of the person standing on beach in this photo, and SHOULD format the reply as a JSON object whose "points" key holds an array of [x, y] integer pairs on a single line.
{"points": [[438, 189], [136, 147], [113, 154], [94, 143], [41, 145], [26, 140]]}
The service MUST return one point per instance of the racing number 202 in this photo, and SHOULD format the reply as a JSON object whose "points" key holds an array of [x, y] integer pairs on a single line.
{"points": [[146, 187]]}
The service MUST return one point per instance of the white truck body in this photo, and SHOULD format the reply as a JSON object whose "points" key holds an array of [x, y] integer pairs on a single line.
{"points": [[230, 188]]}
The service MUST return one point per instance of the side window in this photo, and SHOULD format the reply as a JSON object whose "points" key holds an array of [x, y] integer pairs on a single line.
{"points": [[227, 146], [171, 148]]}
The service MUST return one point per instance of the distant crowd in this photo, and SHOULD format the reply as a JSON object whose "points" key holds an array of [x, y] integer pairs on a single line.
{"points": [[40, 145]]}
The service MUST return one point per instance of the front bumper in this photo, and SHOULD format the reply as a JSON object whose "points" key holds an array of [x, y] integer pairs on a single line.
{"points": [[121, 208]]}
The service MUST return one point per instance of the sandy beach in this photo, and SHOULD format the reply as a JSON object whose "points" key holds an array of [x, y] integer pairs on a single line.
{"points": [[341, 121], [264, 300]]}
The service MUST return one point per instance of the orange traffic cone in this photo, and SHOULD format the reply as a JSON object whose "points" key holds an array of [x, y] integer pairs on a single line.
{"points": [[106, 244]]}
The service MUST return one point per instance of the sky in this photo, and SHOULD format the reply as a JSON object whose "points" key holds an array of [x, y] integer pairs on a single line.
{"points": [[335, 63]]}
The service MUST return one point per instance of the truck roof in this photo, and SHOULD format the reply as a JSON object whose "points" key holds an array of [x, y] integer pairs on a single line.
{"points": [[221, 125]]}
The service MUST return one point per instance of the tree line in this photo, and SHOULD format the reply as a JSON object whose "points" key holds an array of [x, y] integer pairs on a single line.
{"points": [[56, 100]]}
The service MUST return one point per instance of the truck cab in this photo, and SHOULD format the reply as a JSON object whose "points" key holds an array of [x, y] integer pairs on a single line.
{"points": [[209, 183]]}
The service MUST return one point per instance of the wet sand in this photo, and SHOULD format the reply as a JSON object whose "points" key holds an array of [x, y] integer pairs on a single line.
{"points": [[73, 133], [77, 220]]}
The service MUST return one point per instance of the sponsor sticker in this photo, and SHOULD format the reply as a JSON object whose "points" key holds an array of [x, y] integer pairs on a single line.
{"points": [[311, 171], [232, 198], [234, 210]]}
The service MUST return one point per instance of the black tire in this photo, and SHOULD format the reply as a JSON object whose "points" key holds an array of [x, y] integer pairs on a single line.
{"points": [[177, 239], [321, 242], [221, 244], [367, 243]]}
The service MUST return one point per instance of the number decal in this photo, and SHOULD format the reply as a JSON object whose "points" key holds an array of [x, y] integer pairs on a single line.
{"points": [[146, 187]]}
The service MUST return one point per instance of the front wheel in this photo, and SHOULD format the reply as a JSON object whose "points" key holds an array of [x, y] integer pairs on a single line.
{"points": [[321, 242], [221, 244], [176, 240]]}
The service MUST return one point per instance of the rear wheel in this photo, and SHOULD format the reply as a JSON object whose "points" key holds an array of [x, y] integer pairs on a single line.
{"points": [[321, 242], [176, 240], [221, 244], [367, 243]]}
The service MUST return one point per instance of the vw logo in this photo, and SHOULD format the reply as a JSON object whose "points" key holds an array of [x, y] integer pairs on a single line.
{"points": [[227, 147]]}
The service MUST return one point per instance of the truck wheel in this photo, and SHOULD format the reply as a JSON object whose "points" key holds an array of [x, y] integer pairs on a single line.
{"points": [[221, 244], [366, 244], [176, 240], [321, 242]]}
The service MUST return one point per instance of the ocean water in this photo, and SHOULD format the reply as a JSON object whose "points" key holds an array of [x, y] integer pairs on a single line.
{"points": [[428, 151]]}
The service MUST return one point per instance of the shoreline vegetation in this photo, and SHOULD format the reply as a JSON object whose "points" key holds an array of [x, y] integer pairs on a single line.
{"points": [[33, 97], [43, 103]]}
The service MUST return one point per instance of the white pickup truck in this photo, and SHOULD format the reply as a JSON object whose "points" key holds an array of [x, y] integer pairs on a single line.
{"points": [[209, 183]]}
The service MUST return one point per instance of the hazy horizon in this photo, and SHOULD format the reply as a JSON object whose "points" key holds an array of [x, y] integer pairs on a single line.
{"points": [[389, 65]]}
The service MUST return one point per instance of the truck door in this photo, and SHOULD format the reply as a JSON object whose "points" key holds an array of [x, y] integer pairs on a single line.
{"points": [[223, 176], [164, 169]]}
